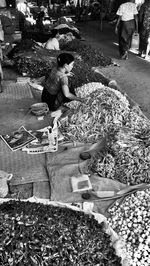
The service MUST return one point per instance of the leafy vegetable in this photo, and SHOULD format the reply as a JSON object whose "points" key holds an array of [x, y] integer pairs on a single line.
{"points": [[43, 235], [91, 56]]}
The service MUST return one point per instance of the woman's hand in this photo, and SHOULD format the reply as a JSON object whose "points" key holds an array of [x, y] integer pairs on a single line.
{"points": [[70, 74]]}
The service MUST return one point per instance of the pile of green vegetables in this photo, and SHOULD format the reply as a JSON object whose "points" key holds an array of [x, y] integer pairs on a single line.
{"points": [[42, 235], [33, 67], [83, 74], [91, 56]]}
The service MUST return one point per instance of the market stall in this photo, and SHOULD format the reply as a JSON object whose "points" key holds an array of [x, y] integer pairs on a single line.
{"points": [[102, 159]]}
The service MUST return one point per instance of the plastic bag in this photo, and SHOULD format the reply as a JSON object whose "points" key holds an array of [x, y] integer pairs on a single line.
{"points": [[135, 41], [4, 178], [2, 3]]}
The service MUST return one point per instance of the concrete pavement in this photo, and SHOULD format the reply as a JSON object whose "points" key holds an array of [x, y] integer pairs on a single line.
{"points": [[133, 75]]}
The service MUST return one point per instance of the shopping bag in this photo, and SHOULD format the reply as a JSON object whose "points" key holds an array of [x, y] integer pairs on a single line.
{"points": [[135, 41], [2, 3]]}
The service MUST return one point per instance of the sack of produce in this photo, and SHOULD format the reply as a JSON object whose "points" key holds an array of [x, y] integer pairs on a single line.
{"points": [[130, 220], [55, 234]]}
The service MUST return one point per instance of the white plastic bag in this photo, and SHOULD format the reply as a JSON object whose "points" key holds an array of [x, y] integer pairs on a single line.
{"points": [[135, 41], [4, 178], [2, 3]]}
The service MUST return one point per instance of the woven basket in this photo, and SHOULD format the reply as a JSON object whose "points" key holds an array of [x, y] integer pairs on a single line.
{"points": [[39, 109]]}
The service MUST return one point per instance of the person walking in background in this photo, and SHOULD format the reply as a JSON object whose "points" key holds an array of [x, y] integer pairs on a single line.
{"points": [[1, 54], [144, 28], [126, 25]]}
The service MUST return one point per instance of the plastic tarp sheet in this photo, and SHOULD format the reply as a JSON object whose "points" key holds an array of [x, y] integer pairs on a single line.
{"points": [[64, 164]]}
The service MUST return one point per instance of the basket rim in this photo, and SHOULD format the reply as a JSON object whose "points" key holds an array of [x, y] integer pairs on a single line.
{"points": [[39, 105]]}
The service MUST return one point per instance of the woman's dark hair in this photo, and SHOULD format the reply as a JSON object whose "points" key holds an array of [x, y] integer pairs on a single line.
{"points": [[54, 32], [64, 58]]}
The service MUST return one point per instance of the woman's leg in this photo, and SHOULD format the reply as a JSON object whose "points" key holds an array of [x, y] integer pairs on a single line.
{"points": [[143, 43]]}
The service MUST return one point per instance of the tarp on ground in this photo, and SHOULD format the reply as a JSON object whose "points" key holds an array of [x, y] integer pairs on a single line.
{"points": [[64, 164]]}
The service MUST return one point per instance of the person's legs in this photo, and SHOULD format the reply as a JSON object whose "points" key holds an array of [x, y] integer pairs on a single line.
{"points": [[1, 71], [143, 42], [147, 49], [125, 35], [121, 41]]}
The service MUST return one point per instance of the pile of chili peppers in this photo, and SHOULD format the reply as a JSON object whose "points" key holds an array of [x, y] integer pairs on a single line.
{"points": [[41, 235], [106, 112], [103, 110]]}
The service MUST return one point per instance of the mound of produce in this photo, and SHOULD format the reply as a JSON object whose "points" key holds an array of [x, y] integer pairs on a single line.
{"points": [[23, 46], [104, 110], [65, 38], [43, 235], [33, 66], [126, 157], [83, 74], [131, 220], [93, 57], [106, 113]]}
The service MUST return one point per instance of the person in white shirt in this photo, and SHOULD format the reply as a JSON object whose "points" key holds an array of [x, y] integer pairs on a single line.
{"points": [[24, 8], [126, 25], [53, 43]]}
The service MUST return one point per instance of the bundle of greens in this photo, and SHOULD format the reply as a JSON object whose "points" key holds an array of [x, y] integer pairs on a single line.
{"points": [[83, 74], [43, 235], [33, 66], [91, 56]]}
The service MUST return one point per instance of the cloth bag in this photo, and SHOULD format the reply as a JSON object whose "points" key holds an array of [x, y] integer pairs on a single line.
{"points": [[2, 3], [135, 41], [4, 178]]}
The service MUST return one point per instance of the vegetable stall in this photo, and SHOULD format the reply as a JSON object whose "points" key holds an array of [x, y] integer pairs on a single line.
{"points": [[34, 233], [29, 231]]}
